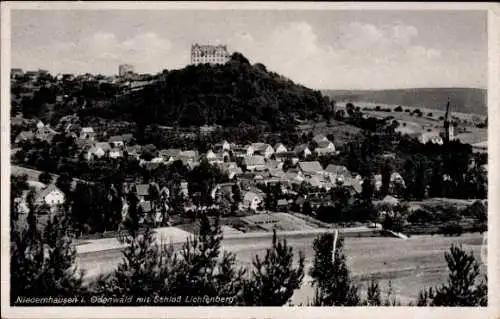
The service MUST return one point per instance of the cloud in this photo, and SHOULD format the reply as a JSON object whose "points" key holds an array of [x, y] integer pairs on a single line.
{"points": [[102, 53], [355, 55]]}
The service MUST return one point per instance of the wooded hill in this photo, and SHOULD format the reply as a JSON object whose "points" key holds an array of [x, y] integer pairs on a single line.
{"points": [[221, 94]]}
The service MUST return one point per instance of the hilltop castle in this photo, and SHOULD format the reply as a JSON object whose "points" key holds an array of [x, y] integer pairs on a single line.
{"points": [[211, 54]]}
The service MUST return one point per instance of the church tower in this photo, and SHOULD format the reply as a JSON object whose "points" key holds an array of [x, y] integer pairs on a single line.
{"points": [[448, 125]]}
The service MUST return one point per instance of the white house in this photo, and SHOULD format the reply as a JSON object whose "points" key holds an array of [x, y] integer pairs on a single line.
{"points": [[302, 151], [251, 200], [432, 136], [280, 148], [40, 125], [115, 153], [87, 133], [262, 149], [51, 196], [325, 147]]}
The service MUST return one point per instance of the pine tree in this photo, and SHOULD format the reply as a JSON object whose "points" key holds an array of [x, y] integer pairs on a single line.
{"points": [[386, 179], [463, 289], [274, 279], [43, 265], [373, 294], [331, 276]]}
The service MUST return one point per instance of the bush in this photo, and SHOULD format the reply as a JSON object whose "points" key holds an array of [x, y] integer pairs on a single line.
{"points": [[398, 109], [451, 229]]}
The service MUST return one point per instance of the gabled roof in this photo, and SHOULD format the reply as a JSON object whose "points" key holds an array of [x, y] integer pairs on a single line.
{"points": [[282, 202], [103, 145], [314, 166], [26, 135], [336, 169], [260, 147], [300, 148], [127, 137], [249, 196], [46, 191], [188, 153], [320, 137], [279, 145], [254, 160], [116, 138], [324, 144], [142, 189], [87, 130], [170, 152]]}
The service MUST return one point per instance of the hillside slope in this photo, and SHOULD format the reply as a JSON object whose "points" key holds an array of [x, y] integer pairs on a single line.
{"points": [[466, 100], [220, 94]]}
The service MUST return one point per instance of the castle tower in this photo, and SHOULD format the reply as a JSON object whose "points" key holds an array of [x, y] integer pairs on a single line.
{"points": [[448, 125]]}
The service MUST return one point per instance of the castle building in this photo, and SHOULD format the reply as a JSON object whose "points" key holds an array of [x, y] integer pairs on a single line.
{"points": [[211, 54], [125, 69]]}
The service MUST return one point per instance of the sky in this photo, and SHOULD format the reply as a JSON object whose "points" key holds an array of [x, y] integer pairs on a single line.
{"points": [[328, 49]]}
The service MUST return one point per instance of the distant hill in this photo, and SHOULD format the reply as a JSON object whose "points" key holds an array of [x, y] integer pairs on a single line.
{"points": [[466, 100], [226, 94]]}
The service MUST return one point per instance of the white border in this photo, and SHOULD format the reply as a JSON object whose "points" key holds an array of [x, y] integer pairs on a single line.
{"points": [[492, 311]]}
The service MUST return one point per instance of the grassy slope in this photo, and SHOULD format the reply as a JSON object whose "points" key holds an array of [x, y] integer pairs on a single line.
{"points": [[467, 100]]}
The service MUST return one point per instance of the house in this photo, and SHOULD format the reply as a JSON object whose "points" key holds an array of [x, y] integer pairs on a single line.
{"points": [[251, 200], [272, 164], [39, 125], [210, 155], [302, 151], [248, 150], [116, 141], [254, 163], [134, 151], [325, 147], [353, 184], [45, 134], [282, 205], [276, 172], [170, 155], [233, 171], [320, 138], [87, 133], [142, 191], [280, 148], [293, 176], [50, 195], [335, 171], [282, 157], [262, 149], [127, 138], [311, 168], [115, 153], [224, 146], [188, 156], [184, 189], [433, 137], [24, 136]]}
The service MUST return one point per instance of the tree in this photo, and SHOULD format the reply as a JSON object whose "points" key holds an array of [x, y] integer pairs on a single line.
{"points": [[274, 279], [464, 287], [373, 297], [386, 179], [43, 264], [368, 188], [45, 178], [331, 276]]}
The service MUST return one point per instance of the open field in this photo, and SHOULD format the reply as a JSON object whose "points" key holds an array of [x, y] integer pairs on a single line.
{"points": [[342, 132], [410, 265]]}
